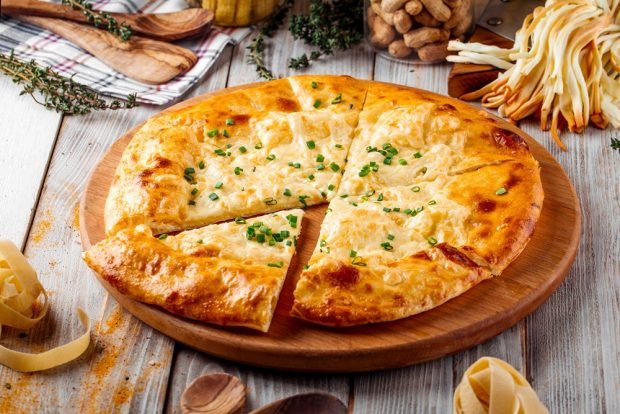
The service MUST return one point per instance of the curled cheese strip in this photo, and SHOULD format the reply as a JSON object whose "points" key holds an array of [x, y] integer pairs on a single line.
{"points": [[492, 386], [19, 291]]}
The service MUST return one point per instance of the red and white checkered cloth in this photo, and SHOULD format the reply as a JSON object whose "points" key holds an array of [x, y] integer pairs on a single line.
{"points": [[30, 42]]}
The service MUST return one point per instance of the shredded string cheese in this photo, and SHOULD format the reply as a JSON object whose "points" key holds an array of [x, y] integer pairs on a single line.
{"points": [[492, 386], [19, 291]]}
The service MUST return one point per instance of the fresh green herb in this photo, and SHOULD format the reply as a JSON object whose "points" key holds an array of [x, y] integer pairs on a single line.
{"points": [[344, 195], [243, 149], [331, 187], [352, 253], [163, 236], [387, 209], [417, 155], [501, 191], [387, 160], [56, 92], [415, 189], [220, 152], [238, 170], [337, 99], [225, 133], [339, 146], [408, 211], [302, 200], [189, 171], [335, 167], [230, 121], [99, 18], [213, 132], [271, 157], [287, 192], [372, 166], [317, 103], [311, 177], [194, 191], [432, 203], [432, 240], [240, 220], [320, 158], [320, 167], [615, 144], [219, 185], [390, 236], [270, 201], [261, 238], [311, 144], [200, 241], [358, 261], [213, 197], [292, 220], [314, 85], [289, 243], [380, 197], [387, 246], [396, 209], [201, 165], [258, 146], [402, 161]]}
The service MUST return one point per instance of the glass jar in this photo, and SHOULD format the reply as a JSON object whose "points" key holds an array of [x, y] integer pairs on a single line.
{"points": [[237, 12], [416, 29]]}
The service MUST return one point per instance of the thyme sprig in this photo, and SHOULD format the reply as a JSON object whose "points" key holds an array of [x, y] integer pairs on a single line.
{"points": [[257, 45], [54, 91], [99, 18]]}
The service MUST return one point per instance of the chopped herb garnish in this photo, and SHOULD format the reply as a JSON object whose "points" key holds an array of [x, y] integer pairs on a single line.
{"points": [[320, 158], [162, 236], [225, 133], [238, 170], [423, 170], [380, 197], [230, 122], [213, 133], [432, 241], [194, 191], [358, 261], [270, 201], [432, 203], [408, 211], [258, 146], [271, 157], [390, 236], [302, 200], [289, 243], [396, 209], [323, 243], [335, 167], [387, 209], [415, 189], [213, 197], [372, 166], [220, 152], [265, 230], [260, 238], [352, 253], [317, 103], [314, 85], [240, 220], [311, 144], [287, 192], [189, 171], [387, 246], [344, 195], [201, 165], [331, 187], [369, 192], [337, 99], [402, 161], [417, 155], [294, 164], [419, 209], [285, 233], [191, 202], [320, 167], [219, 185], [292, 220], [311, 177], [338, 146], [200, 241], [323, 194], [387, 160], [243, 149], [501, 191], [371, 149]]}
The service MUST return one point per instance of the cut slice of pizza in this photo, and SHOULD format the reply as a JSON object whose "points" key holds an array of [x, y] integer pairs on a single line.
{"points": [[406, 135], [268, 147], [393, 253], [225, 274]]}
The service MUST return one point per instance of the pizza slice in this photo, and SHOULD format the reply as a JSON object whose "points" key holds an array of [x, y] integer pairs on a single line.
{"points": [[393, 253], [406, 135], [269, 147], [226, 274]]}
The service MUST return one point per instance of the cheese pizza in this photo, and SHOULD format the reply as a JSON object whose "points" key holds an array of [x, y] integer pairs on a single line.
{"points": [[427, 198]]}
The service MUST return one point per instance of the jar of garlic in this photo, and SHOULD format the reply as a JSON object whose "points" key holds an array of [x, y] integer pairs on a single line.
{"points": [[410, 29]]}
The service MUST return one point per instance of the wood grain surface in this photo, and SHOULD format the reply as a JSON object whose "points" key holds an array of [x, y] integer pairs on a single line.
{"points": [[474, 317], [568, 347]]}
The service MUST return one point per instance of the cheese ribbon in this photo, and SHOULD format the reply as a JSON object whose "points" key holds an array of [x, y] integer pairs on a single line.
{"points": [[19, 291], [492, 386]]}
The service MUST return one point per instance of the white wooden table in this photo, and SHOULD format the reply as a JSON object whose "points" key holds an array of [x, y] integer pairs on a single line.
{"points": [[568, 348]]}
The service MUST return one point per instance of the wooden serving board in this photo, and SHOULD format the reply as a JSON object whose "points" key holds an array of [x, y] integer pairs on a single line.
{"points": [[292, 344]]}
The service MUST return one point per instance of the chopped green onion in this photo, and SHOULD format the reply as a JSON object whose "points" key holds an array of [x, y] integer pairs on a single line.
{"points": [[387, 246], [191, 202], [501, 191], [432, 203], [387, 160], [408, 211], [352, 253], [194, 191], [311, 177], [243, 149], [212, 133], [287, 192], [238, 170], [387, 209], [162, 236], [320, 167], [289, 243], [331, 187], [432, 241], [338, 146], [337, 99], [292, 220], [201, 165], [271, 157], [230, 122], [358, 261], [240, 220], [390, 236], [302, 200], [213, 197], [220, 152], [314, 85], [335, 167], [380, 197], [402, 161], [200, 241], [320, 158], [270, 201], [417, 155], [396, 209], [415, 189], [260, 238], [219, 185], [344, 195], [311, 144], [317, 103], [189, 171], [258, 146]]}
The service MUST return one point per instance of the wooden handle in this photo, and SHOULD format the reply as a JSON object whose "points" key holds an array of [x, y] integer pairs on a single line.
{"points": [[163, 26], [467, 77], [145, 60]]}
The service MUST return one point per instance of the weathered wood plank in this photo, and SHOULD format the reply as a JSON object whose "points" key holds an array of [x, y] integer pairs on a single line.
{"points": [[573, 339], [27, 135]]}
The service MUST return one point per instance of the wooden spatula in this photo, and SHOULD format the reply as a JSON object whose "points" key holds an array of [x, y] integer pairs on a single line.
{"points": [[145, 60], [162, 26]]}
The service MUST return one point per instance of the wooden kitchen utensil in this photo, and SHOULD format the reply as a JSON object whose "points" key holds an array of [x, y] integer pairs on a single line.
{"points": [[145, 60], [162, 26], [217, 393]]}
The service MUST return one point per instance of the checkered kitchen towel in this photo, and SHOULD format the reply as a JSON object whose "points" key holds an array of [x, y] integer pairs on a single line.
{"points": [[31, 42]]}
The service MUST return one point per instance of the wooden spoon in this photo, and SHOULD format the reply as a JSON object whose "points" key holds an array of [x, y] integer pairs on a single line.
{"points": [[312, 403], [145, 60], [218, 393], [162, 26]]}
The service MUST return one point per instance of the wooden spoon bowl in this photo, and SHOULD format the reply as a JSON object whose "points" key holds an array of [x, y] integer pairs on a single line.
{"points": [[218, 393]]}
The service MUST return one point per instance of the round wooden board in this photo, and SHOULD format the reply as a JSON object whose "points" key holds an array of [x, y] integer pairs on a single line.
{"points": [[292, 344]]}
